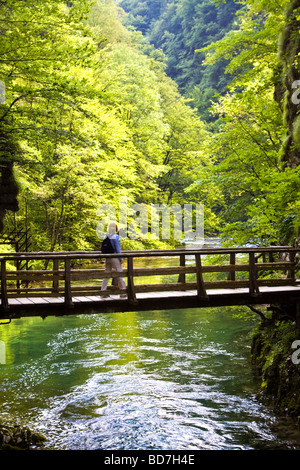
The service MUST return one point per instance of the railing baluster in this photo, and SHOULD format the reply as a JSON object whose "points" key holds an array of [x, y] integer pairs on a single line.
{"points": [[68, 293], [4, 299], [201, 291]]}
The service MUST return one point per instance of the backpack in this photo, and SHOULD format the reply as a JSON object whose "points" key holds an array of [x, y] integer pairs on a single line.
{"points": [[107, 246]]}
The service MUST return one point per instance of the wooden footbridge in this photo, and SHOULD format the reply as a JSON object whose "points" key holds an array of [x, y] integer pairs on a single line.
{"points": [[63, 283]]}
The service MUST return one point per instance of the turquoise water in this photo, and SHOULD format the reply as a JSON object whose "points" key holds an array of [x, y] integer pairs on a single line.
{"points": [[145, 380]]}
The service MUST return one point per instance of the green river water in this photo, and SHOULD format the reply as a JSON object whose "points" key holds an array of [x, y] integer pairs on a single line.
{"points": [[144, 380]]}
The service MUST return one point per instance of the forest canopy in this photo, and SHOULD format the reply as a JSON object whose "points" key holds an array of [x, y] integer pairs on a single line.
{"points": [[90, 115], [238, 61]]}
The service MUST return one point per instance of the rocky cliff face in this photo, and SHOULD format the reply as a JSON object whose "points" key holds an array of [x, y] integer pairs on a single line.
{"points": [[277, 363]]}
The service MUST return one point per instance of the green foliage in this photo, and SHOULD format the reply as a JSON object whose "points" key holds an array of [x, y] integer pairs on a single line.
{"points": [[259, 192], [246, 56], [91, 116], [271, 352], [244, 314], [179, 28]]}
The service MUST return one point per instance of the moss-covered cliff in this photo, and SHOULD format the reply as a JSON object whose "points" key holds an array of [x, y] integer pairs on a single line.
{"points": [[289, 83], [272, 347], [276, 356]]}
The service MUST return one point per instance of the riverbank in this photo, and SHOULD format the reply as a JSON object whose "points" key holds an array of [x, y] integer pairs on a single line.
{"points": [[19, 438], [276, 361]]}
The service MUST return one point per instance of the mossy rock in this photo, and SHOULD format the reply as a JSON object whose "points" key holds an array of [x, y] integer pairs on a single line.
{"points": [[18, 438]]}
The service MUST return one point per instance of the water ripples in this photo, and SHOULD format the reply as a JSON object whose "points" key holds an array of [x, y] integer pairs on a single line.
{"points": [[141, 381], [138, 412]]}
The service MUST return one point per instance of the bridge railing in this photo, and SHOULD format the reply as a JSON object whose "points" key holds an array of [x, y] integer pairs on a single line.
{"points": [[71, 274]]}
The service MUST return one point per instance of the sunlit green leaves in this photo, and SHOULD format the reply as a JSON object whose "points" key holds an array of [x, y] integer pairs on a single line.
{"points": [[92, 119], [259, 193]]}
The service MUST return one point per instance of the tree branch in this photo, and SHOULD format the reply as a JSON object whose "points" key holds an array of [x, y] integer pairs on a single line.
{"points": [[255, 310], [11, 105]]}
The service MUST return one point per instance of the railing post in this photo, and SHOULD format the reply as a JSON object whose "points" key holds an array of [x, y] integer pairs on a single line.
{"points": [[291, 272], [55, 283], [130, 283], [68, 294], [4, 299], [201, 291], [232, 262], [181, 277], [253, 284]]}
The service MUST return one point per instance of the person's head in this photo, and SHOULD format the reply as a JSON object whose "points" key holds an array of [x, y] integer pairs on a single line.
{"points": [[112, 227]]}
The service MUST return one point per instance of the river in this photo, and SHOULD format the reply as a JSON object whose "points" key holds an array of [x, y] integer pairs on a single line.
{"points": [[144, 380]]}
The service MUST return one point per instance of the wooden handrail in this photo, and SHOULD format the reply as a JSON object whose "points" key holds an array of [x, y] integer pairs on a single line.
{"points": [[144, 253]]}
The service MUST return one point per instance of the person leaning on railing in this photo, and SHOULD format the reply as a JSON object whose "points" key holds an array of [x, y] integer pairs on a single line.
{"points": [[113, 264]]}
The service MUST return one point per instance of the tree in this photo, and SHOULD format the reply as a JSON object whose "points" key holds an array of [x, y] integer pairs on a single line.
{"points": [[261, 193], [179, 27], [288, 83], [93, 120], [34, 69]]}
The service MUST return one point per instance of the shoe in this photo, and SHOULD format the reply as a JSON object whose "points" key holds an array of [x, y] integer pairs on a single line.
{"points": [[105, 296]]}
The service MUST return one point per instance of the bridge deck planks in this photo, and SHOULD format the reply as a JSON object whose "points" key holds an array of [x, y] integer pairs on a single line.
{"points": [[55, 306], [98, 298]]}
